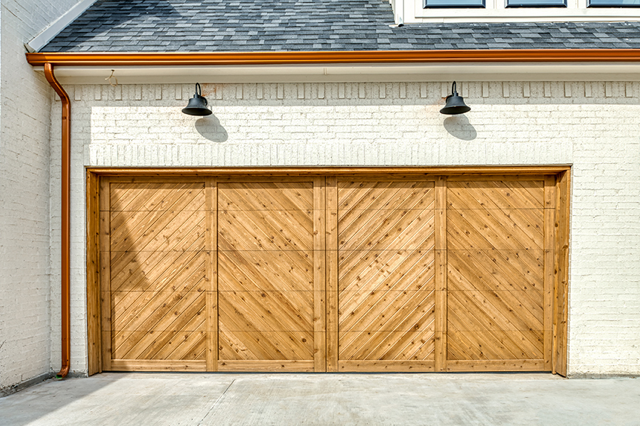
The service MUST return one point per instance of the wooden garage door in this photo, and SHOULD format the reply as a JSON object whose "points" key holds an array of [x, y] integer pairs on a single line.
{"points": [[419, 273]]}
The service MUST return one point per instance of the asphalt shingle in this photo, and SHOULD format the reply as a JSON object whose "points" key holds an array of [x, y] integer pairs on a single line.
{"points": [[305, 25]]}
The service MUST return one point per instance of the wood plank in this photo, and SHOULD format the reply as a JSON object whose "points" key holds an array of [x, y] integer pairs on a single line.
{"points": [[157, 365], [496, 365], [386, 366], [105, 273], [292, 172], [261, 366], [211, 245], [562, 225], [94, 327], [319, 276], [549, 265], [441, 274], [332, 272]]}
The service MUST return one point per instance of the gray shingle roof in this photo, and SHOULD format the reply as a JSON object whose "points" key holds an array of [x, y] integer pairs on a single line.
{"points": [[308, 25]]}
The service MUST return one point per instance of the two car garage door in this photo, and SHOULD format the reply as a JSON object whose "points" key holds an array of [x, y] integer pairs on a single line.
{"points": [[327, 273]]}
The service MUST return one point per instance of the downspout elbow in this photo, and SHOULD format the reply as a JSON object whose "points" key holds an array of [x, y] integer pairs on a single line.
{"points": [[65, 221]]}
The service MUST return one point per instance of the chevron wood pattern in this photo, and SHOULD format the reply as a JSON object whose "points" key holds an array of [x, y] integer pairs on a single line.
{"points": [[328, 273], [157, 276], [266, 271], [386, 271], [495, 243]]}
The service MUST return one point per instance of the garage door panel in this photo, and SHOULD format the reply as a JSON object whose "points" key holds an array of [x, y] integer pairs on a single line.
{"points": [[389, 228], [150, 196], [261, 271], [495, 241], [474, 273], [267, 195], [265, 346], [471, 314], [155, 271], [266, 230], [400, 229], [510, 192], [417, 345], [474, 229], [267, 310], [277, 270], [177, 231], [386, 273], [162, 311], [170, 346], [386, 310], [149, 301], [493, 270], [388, 345], [267, 265], [404, 270], [363, 196]]}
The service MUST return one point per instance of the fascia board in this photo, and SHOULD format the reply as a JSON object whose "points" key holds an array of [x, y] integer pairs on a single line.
{"points": [[496, 71]]}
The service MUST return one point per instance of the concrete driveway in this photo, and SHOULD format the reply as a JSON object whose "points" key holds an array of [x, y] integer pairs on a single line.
{"points": [[325, 399]]}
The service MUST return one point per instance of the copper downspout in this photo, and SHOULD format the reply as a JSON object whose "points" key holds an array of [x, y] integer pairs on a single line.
{"points": [[65, 226]]}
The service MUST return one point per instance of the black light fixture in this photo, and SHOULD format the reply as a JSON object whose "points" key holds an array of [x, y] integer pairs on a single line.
{"points": [[455, 103], [198, 104]]}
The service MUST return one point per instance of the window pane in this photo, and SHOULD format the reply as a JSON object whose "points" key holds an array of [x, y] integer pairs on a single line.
{"points": [[536, 3], [453, 3], [614, 3]]}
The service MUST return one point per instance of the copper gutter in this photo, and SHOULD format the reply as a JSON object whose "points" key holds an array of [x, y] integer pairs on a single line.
{"points": [[66, 190], [299, 58]]}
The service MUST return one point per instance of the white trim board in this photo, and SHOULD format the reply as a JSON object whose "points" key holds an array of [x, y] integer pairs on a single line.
{"points": [[571, 71], [46, 35]]}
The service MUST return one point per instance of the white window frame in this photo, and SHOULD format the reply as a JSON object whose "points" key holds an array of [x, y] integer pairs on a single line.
{"points": [[413, 11]]}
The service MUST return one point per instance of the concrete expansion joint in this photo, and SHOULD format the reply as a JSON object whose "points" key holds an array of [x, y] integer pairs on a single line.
{"points": [[216, 403]]}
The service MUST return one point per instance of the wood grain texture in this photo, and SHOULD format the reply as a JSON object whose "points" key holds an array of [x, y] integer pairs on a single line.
{"points": [[495, 244], [271, 306], [386, 366], [157, 271], [561, 302], [386, 283], [319, 276], [231, 173], [94, 320], [211, 247], [256, 366], [496, 365], [411, 271], [332, 273], [156, 365], [105, 274], [441, 274], [549, 266]]}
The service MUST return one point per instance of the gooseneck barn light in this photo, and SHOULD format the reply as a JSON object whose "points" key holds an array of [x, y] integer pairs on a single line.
{"points": [[455, 103], [198, 104]]}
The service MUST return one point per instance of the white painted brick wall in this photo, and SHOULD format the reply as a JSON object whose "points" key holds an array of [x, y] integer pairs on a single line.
{"points": [[25, 325], [591, 125]]}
